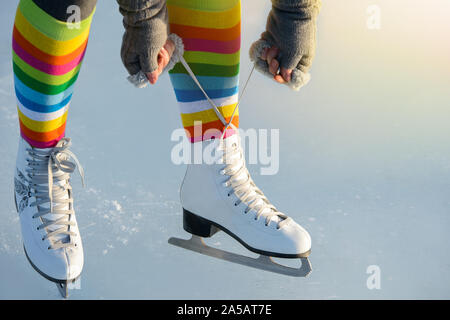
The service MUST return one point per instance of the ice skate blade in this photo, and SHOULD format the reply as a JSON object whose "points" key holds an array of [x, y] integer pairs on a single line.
{"points": [[266, 263], [63, 289], [62, 285]]}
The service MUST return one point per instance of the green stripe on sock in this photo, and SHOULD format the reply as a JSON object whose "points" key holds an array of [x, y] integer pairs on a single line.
{"points": [[40, 86], [45, 78], [50, 26], [204, 5], [212, 57]]}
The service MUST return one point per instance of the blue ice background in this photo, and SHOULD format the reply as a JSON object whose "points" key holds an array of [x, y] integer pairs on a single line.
{"points": [[365, 167]]}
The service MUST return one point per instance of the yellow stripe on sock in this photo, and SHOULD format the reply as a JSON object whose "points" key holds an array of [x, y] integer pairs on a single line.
{"points": [[46, 44], [207, 115], [42, 126], [51, 27], [204, 19]]}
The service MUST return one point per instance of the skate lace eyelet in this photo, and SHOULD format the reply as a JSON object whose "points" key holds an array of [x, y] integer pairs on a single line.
{"points": [[236, 204]]}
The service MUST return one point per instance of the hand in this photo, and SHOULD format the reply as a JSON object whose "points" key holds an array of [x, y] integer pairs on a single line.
{"points": [[280, 75], [286, 48], [164, 56]]}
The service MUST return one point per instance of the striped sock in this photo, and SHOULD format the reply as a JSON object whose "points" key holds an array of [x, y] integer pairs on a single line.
{"points": [[47, 57], [211, 32]]}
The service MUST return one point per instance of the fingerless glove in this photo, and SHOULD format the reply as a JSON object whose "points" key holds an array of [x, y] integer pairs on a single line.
{"points": [[291, 27], [146, 31]]}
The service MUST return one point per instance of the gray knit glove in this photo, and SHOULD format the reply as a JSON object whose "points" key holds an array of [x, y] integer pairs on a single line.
{"points": [[291, 27], [146, 31]]}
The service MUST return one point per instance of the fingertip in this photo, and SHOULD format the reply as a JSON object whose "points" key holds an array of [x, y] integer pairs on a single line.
{"points": [[273, 67], [278, 78], [275, 63], [287, 74], [152, 77], [270, 55]]}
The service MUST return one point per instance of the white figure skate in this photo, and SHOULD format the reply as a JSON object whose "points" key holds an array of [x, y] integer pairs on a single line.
{"points": [[44, 201], [223, 197]]}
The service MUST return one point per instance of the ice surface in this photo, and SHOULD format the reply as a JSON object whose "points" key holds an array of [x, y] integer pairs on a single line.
{"points": [[365, 165]]}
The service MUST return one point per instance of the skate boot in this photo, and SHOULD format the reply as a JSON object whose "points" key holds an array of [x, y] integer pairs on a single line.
{"points": [[223, 197], [44, 201], [220, 195]]}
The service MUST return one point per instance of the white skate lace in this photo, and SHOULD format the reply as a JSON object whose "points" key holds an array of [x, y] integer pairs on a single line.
{"points": [[48, 177], [240, 181]]}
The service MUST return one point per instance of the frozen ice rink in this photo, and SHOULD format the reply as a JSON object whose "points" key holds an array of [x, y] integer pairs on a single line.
{"points": [[364, 165]]}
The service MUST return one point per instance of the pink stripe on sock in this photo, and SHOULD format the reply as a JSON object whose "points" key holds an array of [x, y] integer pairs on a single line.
{"points": [[40, 144], [45, 67], [228, 134], [224, 47]]}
